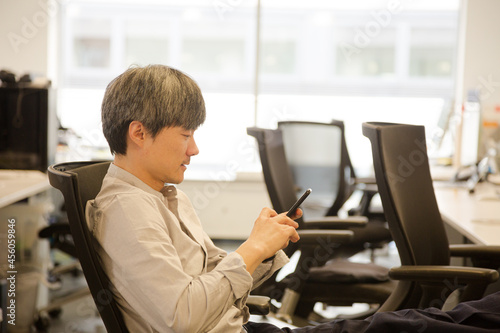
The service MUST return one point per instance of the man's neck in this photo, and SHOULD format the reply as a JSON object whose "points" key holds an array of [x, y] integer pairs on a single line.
{"points": [[135, 168]]}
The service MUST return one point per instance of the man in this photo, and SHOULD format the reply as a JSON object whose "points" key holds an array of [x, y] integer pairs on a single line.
{"points": [[167, 275]]}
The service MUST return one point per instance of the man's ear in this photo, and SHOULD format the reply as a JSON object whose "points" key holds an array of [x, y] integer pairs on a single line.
{"points": [[137, 133]]}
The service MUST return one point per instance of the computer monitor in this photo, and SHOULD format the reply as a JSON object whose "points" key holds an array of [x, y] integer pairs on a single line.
{"points": [[471, 126], [27, 140]]}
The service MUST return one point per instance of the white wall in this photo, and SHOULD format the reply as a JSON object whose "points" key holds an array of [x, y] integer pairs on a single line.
{"points": [[24, 36], [482, 52], [479, 65]]}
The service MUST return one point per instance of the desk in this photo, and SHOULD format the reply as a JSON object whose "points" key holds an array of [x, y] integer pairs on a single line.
{"points": [[475, 216], [16, 185]]}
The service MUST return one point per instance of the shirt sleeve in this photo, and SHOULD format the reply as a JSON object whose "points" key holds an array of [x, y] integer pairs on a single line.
{"points": [[147, 271], [266, 269], [263, 271]]}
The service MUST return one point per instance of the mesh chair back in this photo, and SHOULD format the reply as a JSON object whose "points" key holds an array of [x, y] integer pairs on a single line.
{"points": [[318, 158], [80, 182], [277, 174]]}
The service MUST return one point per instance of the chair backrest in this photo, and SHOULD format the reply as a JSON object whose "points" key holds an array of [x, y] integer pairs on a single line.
{"points": [[80, 182], [405, 185], [318, 157], [407, 193], [277, 174]]}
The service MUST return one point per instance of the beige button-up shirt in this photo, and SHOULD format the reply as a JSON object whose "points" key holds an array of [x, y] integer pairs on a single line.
{"points": [[167, 274]]}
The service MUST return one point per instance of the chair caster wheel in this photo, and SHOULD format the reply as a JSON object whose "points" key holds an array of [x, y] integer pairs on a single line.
{"points": [[42, 323], [56, 313], [75, 272]]}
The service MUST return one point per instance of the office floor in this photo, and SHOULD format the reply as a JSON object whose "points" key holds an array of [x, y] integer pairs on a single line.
{"points": [[81, 316]]}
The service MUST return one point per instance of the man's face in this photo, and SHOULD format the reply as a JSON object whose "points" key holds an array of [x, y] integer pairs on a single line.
{"points": [[168, 154]]}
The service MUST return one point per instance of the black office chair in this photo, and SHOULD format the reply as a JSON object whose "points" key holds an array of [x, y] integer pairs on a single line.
{"points": [[318, 157], [338, 283], [80, 182], [405, 186]]}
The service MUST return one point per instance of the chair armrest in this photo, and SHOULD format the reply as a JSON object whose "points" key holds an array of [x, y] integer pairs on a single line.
{"points": [[471, 250], [258, 305], [316, 237], [58, 232], [439, 273], [335, 222], [481, 255]]}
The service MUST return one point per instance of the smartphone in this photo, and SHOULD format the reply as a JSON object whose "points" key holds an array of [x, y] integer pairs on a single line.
{"points": [[296, 205]]}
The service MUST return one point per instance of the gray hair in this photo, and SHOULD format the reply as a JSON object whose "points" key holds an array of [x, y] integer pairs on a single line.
{"points": [[158, 96]]}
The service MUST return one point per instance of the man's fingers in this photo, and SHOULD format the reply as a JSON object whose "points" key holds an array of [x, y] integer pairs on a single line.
{"points": [[283, 219], [267, 212], [297, 214], [294, 237]]}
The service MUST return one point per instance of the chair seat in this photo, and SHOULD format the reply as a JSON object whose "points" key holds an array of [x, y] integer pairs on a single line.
{"points": [[347, 272], [341, 281], [343, 295]]}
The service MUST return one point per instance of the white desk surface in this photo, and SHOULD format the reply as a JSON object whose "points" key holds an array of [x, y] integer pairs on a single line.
{"points": [[476, 215], [17, 185]]}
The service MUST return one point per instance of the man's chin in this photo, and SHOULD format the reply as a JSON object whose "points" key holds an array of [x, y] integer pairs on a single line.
{"points": [[177, 180]]}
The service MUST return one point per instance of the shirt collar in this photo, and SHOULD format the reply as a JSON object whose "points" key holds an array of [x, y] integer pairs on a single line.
{"points": [[119, 173]]}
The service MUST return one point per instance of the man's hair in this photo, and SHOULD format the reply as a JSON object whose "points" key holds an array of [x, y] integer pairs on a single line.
{"points": [[158, 96]]}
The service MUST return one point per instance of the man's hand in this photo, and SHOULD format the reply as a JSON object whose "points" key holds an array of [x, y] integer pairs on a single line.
{"points": [[271, 232]]}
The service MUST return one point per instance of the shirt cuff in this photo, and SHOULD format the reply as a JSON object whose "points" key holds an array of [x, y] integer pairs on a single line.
{"points": [[270, 258], [266, 269], [234, 269]]}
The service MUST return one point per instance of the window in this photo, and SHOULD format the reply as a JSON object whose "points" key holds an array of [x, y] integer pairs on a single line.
{"points": [[147, 42], [92, 43], [432, 52], [318, 60]]}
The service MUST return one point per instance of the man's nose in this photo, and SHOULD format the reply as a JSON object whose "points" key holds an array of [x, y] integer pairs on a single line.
{"points": [[193, 148]]}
